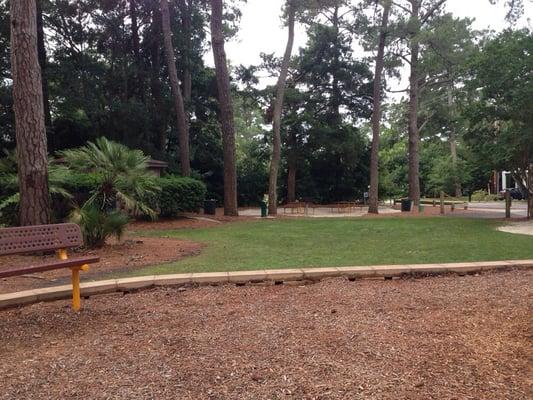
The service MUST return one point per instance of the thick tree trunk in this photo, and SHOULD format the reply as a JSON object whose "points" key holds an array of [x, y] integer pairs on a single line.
{"points": [[225, 109], [336, 91], [43, 63], [155, 82], [181, 116], [453, 143], [139, 65], [28, 105], [373, 199], [530, 191], [291, 181], [185, 8], [276, 124], [414, 161], [292, 166], [453, 152]]}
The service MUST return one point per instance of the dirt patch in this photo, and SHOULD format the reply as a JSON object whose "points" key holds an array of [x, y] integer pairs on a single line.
{"points": [[189, 221], [435, 338], [522, 228], [131, 253], [429, 211]]}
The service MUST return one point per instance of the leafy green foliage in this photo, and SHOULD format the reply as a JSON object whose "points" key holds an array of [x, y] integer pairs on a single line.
{"points": [[499, 108], [107, 78], [179, 194], [123, 178], [502, 74], [78, 183], [9, 194], [483, 195], [324, 103], [97, 225], [445, 175]]}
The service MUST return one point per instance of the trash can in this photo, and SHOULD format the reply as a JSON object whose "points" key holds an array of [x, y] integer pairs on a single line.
{"points": [[210, 207], [264, 209], [406, 205]]}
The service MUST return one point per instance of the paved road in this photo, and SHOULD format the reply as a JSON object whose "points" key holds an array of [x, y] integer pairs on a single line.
{"points": [[496, 209]]}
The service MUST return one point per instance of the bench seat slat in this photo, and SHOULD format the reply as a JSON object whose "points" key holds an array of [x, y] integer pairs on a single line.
{"points": [[55, 264]]}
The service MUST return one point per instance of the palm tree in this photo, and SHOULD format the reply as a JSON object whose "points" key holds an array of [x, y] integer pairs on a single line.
{"points": [[124, 180]]}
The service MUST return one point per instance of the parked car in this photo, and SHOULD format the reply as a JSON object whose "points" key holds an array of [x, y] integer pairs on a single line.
{"points": [[516, 194]]}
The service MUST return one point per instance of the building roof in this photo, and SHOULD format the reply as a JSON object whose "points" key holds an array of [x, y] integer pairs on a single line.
{"points": [[157, 164]]}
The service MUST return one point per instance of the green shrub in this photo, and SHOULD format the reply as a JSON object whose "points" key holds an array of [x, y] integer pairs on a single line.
{"points": [[81, 183], [123, 177], [179, 194], [97, 225], [483, 195], [9, 212], [479, 195]]}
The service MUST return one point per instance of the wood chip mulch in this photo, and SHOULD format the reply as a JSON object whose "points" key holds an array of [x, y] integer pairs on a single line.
{"points": [[444, 337]]}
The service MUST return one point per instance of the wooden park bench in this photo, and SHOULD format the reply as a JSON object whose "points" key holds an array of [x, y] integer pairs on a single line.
{"points": [[45, 238], [345, 206], [298, 207]]}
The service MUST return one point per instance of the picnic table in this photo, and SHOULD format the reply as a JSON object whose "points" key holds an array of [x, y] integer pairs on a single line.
{"points": [[299, 207], [342, 206]]}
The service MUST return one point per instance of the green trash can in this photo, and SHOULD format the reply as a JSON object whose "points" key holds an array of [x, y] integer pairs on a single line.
{"points": [[264, 209], [406, 205], [210, 207]]}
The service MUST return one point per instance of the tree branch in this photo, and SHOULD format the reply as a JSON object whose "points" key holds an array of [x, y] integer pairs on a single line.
{"points": [[402, 7], [431, 11]]}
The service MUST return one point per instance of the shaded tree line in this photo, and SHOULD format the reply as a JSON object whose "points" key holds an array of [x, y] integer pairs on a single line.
{"points": [[134, 72]]}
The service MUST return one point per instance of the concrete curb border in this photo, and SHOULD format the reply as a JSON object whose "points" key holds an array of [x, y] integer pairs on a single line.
{"points": [[16, 299]]}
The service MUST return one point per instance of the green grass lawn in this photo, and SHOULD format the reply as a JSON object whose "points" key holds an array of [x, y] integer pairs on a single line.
{"points": [[344, 242]]}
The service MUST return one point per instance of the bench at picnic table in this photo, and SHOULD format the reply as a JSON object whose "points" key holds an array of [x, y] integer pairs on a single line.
{"points": [[299, 206], [45, 238], [296, 205], [342, 205]]}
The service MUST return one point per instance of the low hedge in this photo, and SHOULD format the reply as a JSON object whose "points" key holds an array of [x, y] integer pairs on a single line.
{"points": [[180, 194], [81, 183]]}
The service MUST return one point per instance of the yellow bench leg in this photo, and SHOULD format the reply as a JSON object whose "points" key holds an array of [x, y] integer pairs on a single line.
{"points": [[76, 299], [76, 295]]}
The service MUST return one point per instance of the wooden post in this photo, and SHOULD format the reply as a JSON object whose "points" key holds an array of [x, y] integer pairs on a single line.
{"points": [[508, 202], [530, 192], [442, 203]]}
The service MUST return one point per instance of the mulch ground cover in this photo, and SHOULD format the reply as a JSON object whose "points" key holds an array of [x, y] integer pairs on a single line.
{"points": [[444, 337], [130, 253]]}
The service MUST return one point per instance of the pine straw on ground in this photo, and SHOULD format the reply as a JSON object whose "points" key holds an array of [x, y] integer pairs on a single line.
{"points": [[434, 338]]}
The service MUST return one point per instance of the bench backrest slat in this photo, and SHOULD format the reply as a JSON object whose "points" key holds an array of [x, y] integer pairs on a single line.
{"points": [[27, 239]]}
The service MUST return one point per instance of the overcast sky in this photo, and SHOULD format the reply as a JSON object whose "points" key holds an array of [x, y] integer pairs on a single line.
{"points": [[261, 29]]}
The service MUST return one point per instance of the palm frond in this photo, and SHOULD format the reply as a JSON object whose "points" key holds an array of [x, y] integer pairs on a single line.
{"points": [[125, 177]]}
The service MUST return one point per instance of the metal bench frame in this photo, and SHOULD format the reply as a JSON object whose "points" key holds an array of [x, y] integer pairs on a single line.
{"points": [[43, 238]]}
